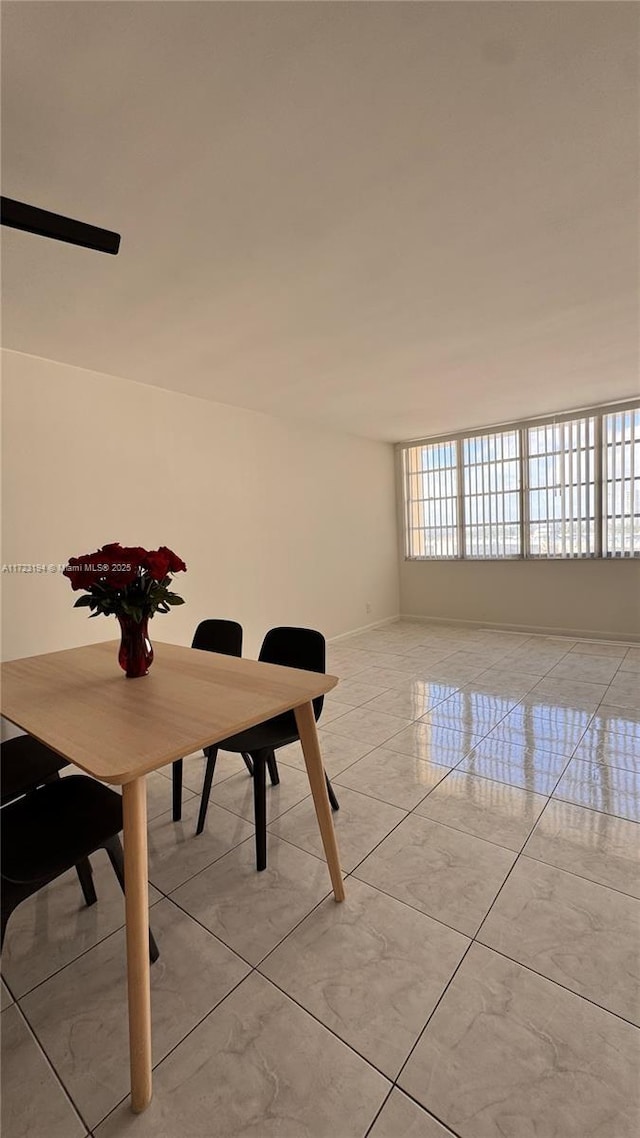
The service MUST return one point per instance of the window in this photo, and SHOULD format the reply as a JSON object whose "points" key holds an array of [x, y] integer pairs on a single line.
{"points": [[563, 487], [562, 521], [621, 478], [492, 495], [431, 475]]}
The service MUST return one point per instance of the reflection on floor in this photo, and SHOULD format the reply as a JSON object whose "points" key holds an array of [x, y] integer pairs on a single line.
{"points": [[481, 979]]}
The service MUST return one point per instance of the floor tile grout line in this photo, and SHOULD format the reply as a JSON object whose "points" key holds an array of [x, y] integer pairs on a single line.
{"points": [[413, 809], [253, 968], [581, 876], [558, 983], [379, 1111], [433, 1012], [249, 838], [159, 1063], [445, 1125], [49, 1064], [100, 940], [520, 853]]}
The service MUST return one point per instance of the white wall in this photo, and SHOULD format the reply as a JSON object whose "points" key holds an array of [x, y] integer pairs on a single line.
{"points": [[589, 598], [278, 523]]}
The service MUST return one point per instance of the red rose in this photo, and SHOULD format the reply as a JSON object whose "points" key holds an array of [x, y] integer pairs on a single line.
{"points": [[118, 565], [156, 563], [79, 571], [176, 564]]}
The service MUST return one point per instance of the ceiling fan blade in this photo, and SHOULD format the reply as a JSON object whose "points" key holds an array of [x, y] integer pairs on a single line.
{"points": [[18, 215]]}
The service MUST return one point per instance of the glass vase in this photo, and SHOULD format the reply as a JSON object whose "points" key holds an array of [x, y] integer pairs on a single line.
{"points": [[136, 652]]}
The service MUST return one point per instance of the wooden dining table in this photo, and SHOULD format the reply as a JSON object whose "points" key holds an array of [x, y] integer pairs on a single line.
{"points": [[80, 704]]}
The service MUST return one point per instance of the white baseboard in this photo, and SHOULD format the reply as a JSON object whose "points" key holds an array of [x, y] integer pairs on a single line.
{"points": [[364, 628], [533, 630]]}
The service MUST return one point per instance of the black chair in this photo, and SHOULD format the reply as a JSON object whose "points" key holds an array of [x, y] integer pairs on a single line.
{"points": [[293, 648], [26, 764], [225, 637], [54, 828]]}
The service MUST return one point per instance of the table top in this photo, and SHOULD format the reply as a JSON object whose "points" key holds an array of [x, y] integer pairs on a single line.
{"points": [[80, 703]]}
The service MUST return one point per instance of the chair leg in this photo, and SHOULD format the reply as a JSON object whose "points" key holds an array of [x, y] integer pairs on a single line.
{"points": [[116, 857], [212, 754], [248, 762], [176, 774], [335, 805], [260, 807], [85, 877], [273, 768]]}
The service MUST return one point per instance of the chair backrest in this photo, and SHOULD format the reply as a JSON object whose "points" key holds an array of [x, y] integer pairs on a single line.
{"points": [[224, 636], [24, 764], [296, 648]]}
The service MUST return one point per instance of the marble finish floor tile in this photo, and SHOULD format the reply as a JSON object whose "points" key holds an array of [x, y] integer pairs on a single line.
{"points": [[591, 844], [624, 691], [360, 823], [600, 648], [371, 969], [469, 711], [527, 767], [631, 661], [338, 753], [6, 998], [620, 720], [80, 1019], [568, 693], [600, 745], [529, 1035], [555, 729], [332, 709], [348, 667], [236, 794], [510, 1053], [584, 936], [505, 682], [411, 702], [176, 853], [588, 668], [353, 693], [373, 727], [599, 787], [250, 911], [481, 659], [536, 663], [445, 873], [400, 1117], [159, 794], [386, 678], [491, 810], [257, 1067], [458, 673], [430, 741], [33, 1103], [54, 926], [402, 780]]}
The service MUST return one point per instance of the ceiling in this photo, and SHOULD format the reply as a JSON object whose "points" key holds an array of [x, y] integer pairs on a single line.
{"points": [[392, 219]]}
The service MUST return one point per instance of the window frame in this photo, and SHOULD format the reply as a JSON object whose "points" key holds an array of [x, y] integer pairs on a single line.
{"points": [[522, 426]]}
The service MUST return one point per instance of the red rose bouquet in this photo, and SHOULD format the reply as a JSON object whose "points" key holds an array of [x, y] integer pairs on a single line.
{"points": [[125, 580]]}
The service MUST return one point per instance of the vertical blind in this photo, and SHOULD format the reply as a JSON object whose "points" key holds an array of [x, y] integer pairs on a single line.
{"points": [[562, 520], [621, 479], [563, 488]]}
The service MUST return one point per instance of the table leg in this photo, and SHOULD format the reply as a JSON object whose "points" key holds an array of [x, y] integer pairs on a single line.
{"points": [[306, 723], [136, 871]]}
